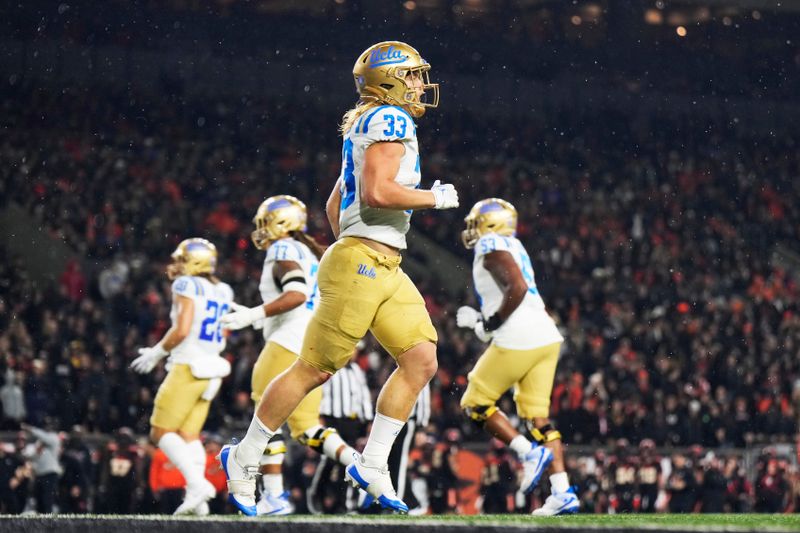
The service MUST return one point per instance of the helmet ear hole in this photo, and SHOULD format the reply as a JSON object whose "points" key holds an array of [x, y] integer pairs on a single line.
{"points": [[387, 86]]}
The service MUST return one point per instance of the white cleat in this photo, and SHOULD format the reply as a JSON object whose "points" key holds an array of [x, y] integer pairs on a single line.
{"points": [[241, 480], [377, 483], [196, 497], [269, 505], [559, 503], [202, 510], [534, 463]]}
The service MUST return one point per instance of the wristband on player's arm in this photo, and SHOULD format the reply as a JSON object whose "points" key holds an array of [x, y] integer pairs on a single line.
{"points": [[492, 323]]}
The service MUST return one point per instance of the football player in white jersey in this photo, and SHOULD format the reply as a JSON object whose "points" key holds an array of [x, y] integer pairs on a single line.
{"points": [[523, 350], [195, 368], [289, 292], [362, 287]]}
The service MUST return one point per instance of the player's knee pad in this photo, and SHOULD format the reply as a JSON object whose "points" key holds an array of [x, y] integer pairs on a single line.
{"points": [[543, 435], [315, 438], [275, 452], [480, 413]]}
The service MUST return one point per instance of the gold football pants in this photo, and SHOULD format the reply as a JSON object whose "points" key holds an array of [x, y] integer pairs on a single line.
{"points": [[273, 360], [360, 290], [178, 403], [530, 372]]}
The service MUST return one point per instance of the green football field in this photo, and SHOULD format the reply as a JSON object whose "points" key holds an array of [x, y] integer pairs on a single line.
{"points": [[756, 523], [772, 522]]}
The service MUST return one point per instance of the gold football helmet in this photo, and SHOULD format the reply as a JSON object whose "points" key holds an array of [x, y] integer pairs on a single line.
{"points": [[193, 257], [491, 215], [381, 73], [276, 217]]}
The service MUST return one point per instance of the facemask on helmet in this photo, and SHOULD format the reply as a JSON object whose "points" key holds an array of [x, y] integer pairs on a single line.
{"points": [[394, 73]]}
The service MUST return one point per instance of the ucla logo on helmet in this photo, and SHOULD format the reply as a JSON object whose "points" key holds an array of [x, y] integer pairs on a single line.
{"points": [[388, 56]]}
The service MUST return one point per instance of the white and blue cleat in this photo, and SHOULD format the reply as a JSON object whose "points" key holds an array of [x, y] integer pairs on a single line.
{"points": [[559, 503], [377, 483], [534, 464], [274, 505], [241, 480]]}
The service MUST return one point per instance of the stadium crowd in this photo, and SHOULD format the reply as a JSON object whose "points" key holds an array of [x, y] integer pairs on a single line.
{"points": [[652, 240]]}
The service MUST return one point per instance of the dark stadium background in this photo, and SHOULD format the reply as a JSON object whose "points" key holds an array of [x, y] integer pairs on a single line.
{"points": [[650, 147]]}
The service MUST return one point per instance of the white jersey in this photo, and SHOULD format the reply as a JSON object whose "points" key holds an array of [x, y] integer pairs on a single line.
{"points": [[202, 346], [529, 326], [288, 329], [388, 226]]}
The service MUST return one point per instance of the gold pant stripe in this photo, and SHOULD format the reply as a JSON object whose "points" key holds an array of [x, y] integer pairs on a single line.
{"points": [[530, 372], [273, 360]]}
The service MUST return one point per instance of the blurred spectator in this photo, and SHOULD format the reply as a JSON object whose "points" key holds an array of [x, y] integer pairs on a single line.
{"points": [[713, 486], [46, 467], [166, 482], [118, 474], [771, 488], [13, 401], [498, 480], [681, 486], [15, 475]]}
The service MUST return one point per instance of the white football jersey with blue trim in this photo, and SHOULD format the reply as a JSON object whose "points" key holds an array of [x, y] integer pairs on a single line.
{"points": [[529, 326], [211, 301], [288, 329], [382, 124]]}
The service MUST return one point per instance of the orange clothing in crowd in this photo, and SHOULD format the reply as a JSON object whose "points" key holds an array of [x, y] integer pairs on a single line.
{"points": [[163, 474], [215, 474]]}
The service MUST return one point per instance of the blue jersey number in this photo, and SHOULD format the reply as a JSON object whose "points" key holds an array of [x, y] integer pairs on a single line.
{"points": [[390, 130], [310, 302], [281, 251], [208, 331], [527, 272]]}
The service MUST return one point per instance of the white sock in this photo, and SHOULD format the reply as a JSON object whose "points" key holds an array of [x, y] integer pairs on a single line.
{"points": [[178, 453], [346, 456], [384, 432], [197, 453], [559, 482], [272, 484], [252, 447], [520, 444], [331, 445]]}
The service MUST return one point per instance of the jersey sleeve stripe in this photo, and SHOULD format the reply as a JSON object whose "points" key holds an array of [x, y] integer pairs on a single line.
{"points": [[366, 124], [359, 122], [196, 286]]}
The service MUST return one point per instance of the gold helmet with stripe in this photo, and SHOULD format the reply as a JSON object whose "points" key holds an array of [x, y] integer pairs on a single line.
{"points": [[193, 257], [492, 215], [384, 72], [276, 218]]}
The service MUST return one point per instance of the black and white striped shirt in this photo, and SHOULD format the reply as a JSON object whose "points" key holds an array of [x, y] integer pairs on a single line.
{"points": [[346, 395], [421, 413]]}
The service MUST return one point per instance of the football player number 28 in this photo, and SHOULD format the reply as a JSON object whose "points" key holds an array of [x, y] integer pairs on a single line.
{"points": [[211, 328]]}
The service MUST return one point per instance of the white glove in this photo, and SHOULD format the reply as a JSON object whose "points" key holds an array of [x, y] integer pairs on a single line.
{"points": [[445, 195], [484, 336], [148, 359], [467, 317], [242, 316]]}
